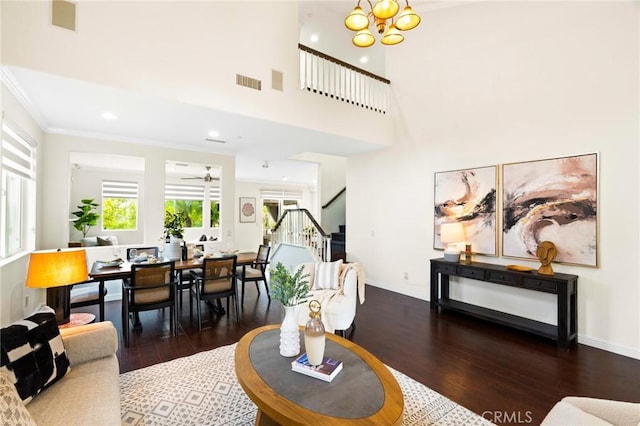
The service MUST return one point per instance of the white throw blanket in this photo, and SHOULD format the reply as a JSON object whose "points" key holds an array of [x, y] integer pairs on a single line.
{"points": [[360, 273]]}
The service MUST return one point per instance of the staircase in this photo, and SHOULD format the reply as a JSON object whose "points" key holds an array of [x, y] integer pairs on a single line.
{"points": [[338, 244], [298, 227]]}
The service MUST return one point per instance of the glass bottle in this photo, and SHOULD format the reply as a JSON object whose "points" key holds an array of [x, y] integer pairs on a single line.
{"points": [[314, 338]]}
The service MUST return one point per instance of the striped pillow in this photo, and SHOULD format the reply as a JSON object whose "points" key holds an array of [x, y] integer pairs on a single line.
{"points": [[327, 275]]}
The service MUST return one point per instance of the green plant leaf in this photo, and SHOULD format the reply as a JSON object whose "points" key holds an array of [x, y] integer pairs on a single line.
{"points": [[288, 289]]}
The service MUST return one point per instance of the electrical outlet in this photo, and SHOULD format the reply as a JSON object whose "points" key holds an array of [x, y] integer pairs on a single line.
{"points": [[406, 276]]}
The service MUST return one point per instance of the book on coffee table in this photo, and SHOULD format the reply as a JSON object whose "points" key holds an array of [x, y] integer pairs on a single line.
{"points": [[326, 371]]}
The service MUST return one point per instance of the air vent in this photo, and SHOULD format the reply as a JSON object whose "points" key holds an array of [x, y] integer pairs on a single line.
{"points": [[215, 140], [251, 83], [63, 14], [276, 80]]}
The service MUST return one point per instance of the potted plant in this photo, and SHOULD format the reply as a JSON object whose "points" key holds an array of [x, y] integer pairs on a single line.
{"points": [[290, 290], [173, 233], [173, 225], [86, 217]]}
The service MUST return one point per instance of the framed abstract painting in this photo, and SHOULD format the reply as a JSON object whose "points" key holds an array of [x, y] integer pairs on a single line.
{"points": [[468, 197], [551, 200]]}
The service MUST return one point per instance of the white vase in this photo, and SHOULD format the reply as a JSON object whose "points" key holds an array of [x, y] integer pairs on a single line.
{"points": [[173, 250], [289, 333]]}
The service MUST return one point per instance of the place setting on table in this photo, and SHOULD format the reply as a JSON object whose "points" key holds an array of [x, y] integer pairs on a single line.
{"points": [[118, 267]]}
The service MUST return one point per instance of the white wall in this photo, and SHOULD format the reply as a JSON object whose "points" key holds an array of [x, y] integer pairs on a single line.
{"points": [[13, 270], [88, 184], [332, 173], [499, 82], [182, 51], [56, 177]]}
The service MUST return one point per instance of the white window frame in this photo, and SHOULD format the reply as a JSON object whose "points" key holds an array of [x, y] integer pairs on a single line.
{"points": [[17, 161], [111, 188]]}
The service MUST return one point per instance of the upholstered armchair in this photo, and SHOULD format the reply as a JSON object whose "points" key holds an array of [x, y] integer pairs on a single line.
{"points": [[574, 410], [336, 286]]}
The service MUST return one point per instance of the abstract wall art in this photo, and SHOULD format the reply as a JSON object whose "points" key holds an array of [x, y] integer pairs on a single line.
{"points": [[469, 197], [247, 209], [551, 200]]}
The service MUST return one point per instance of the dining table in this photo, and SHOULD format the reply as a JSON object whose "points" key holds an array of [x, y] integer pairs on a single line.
{"points": [[102, 273]]}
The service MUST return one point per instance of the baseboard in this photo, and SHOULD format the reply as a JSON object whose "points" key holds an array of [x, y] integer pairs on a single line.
{"points": [[609, 347]]}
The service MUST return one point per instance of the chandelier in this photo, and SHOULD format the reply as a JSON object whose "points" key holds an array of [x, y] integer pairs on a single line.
{"points": [[382, 15]]}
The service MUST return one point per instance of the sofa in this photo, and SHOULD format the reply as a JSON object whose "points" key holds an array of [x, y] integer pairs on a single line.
{"points": [[107, 240], [573, 410], [337, 286], [89, 393]]}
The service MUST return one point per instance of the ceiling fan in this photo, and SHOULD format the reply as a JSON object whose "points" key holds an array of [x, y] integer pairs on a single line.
{"points": [[207, 177]]}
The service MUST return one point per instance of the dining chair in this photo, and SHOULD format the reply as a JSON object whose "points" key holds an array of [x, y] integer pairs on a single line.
{"points": [[152, 286], [149, 251], [256, 271], [87, 294], [184, 277], [216, 279]]}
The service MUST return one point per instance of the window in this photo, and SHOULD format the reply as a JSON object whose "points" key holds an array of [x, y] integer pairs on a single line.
{"points": [[275, 202], [214, 200], [119, 205], [190, 199], [187, 199], [17, 206]]}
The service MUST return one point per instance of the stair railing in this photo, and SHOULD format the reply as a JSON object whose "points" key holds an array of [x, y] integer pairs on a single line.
{"points": [[328, 76], [299, 227]]}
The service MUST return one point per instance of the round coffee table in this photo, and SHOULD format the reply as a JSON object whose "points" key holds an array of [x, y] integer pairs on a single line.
{"points": [[364, 392]]}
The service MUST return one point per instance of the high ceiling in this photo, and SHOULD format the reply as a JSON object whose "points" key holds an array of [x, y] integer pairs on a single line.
{"points": [[73, 107]]}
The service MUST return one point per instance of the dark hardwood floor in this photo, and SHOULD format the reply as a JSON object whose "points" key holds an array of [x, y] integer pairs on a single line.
{"points": [[492, 370]]}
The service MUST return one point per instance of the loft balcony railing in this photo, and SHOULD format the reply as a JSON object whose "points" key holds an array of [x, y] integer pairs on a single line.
{"points": [[298, 227], [331, 77]]}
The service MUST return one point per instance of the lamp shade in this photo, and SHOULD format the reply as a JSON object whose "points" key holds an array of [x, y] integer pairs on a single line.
{"points": [[392, 36], [363, 38], [407, 20], [452, 233], [56, 268], [385, 9], [357, 20]]}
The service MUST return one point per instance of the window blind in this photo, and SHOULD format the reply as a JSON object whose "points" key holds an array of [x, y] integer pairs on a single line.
{"points": [[119, 189], [214, 193], [184, 192], [273, 194], [17, 154]]}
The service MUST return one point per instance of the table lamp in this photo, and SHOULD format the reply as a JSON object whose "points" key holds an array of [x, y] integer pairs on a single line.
{"points": [[451, 234], [56, 271]]}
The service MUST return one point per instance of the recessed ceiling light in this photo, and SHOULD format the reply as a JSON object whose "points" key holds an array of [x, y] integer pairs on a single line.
{"points": [[284, 178], [213, 134], [364, 60], [109, 116], [314, 38]]}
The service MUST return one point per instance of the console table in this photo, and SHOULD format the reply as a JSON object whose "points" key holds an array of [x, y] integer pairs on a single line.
{"points": [[565, 286]]}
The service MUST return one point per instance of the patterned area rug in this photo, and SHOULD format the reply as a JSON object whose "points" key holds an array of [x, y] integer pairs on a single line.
{"points": [[202, 389]]}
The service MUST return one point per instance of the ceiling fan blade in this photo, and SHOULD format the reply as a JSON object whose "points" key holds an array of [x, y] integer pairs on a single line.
{"points": [[187, 178]]}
